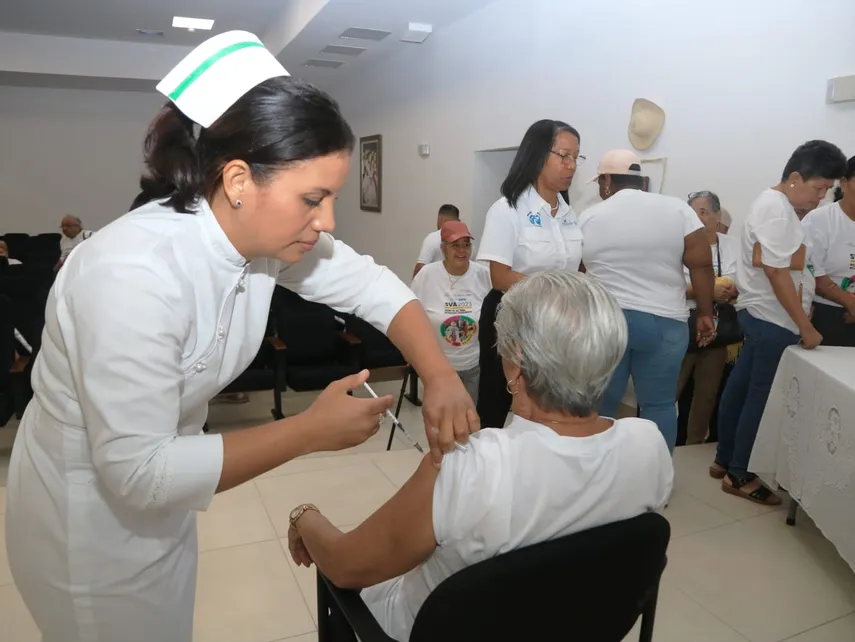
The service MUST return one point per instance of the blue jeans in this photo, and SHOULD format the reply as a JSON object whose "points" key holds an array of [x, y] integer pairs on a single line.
{"points": [[653, 358], [744, 398]]}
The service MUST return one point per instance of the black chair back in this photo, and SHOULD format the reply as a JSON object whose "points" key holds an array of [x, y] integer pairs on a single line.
{"points": [[589, 586], [375, 348]]}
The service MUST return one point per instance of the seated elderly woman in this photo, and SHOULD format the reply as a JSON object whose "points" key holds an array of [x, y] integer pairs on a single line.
{"points": [[557, 469]]}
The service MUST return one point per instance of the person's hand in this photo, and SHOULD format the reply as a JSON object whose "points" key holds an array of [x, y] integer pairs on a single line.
{"points": [[337, 420], [705, 326], [298, 550], [810, 338], [449, 414], [722, 293]]}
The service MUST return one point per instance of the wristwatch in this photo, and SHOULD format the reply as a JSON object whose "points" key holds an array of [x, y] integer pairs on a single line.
{"points": [[297, 513]]}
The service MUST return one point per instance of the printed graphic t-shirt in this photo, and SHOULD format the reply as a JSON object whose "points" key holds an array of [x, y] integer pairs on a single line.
{"points": [[453, 305]]}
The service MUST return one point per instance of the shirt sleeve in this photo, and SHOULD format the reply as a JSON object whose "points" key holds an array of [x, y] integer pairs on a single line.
{"points": [[333, 274], [428, 251], [815, 230], [123, 330], [418, 284], [499, 240], [780, 236], [463, 492]]}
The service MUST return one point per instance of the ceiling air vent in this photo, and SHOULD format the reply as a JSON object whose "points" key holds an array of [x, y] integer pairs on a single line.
{"points": [[342, 50], [355, 33], [150, 33], [317, 62]]}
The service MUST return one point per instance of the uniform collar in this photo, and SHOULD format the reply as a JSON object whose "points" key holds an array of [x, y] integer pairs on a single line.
{"points": [[218, 241], [534, 204]]}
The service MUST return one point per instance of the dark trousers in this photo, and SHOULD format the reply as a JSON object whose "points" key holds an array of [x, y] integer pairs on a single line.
{"points": [[494, 400], [747, 390], [828, 321]]}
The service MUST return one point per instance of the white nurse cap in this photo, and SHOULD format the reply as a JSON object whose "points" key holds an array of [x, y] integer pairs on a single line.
{"points": [[217, 73]]}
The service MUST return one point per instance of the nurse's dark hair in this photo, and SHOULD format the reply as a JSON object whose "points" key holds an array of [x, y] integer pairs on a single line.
{"points": [[816, 159], [847, 176], [531, 157], [278, 123]]}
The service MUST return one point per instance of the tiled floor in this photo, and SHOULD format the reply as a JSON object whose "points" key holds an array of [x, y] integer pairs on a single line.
{"points": [[736, 572]]}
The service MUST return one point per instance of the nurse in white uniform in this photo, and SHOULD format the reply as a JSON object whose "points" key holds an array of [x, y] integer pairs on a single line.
{"points": [[157, 313], [530, 229]]}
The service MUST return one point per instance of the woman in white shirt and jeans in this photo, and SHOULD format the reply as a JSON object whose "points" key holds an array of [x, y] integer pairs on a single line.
{"points": [[452, 292], [832, 231], [706, 365], [776, 287], [636, 244], [531, 228], [558, 468]]}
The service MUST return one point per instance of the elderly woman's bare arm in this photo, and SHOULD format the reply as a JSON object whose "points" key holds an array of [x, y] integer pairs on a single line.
{"points": [[394, 540]]}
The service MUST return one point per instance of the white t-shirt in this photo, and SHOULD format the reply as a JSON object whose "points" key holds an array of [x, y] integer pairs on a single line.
{"points": [[453, 305], [774, 224], [431, 251], [832, 234], [528, 238], [634, 244], [726, 251], [523, 485], [66, 244]]}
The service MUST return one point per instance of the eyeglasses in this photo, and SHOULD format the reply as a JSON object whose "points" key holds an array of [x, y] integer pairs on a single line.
{"points": [[569, 159]]}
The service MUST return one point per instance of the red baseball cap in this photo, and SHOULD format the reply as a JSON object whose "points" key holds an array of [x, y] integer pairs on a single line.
{"points": [[452, 231]]}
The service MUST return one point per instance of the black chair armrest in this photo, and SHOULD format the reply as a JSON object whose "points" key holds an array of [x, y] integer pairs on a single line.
{"points": [[349, 604]]}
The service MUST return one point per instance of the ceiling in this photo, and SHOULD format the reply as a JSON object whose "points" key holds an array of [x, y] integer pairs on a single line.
{"points": [[119, 19], [94, 44]]}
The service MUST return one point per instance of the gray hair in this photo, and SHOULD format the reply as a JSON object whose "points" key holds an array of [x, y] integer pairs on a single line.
{"points": [[567, 334]]}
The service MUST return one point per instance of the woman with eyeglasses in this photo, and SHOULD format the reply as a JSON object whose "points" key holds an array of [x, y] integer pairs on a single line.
{"points": [[530, 229], [452, 292], [706, 365], [832, 230]]}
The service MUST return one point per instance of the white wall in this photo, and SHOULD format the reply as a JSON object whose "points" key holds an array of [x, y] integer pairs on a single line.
{"points": [[68, 151], [743, 83]]}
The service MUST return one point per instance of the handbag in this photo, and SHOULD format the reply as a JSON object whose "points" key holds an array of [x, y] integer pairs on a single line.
{"points": [[728, 330]]}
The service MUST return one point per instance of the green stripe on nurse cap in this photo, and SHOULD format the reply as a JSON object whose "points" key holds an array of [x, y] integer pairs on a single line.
{"points": [[217, 73]]}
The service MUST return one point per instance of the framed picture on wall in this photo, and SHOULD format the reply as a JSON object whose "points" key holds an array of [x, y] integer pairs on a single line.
{"points": [[370, 173], [653, 170]]}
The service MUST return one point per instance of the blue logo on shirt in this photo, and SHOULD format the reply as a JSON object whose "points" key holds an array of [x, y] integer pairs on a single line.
{"points": [[534, 219]]}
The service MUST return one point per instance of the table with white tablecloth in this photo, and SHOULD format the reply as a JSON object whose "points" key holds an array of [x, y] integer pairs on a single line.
{"points": [[806, 440]]}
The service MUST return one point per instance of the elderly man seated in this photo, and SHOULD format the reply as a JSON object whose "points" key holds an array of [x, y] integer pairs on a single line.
{"points": [[73, 235], [557, 469]]}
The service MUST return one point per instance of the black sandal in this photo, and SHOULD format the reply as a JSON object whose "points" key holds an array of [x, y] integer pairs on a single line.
{"points": [[760, 495]]}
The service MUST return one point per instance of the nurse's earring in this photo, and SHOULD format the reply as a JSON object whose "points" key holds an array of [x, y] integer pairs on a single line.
{"points": [[608, 191], [238, 203]]}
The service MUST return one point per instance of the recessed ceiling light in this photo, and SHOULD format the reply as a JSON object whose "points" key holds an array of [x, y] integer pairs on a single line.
{"points": [[150, 33], [317, 62], [355, 33], [192, 23]]}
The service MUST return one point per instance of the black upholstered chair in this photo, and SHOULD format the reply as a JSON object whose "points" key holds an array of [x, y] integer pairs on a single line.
{"points": [[317, 350], [591, 586]]}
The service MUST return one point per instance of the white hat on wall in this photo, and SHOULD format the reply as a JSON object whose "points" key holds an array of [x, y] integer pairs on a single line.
{"points": [[645, 123], [213, 76]]}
